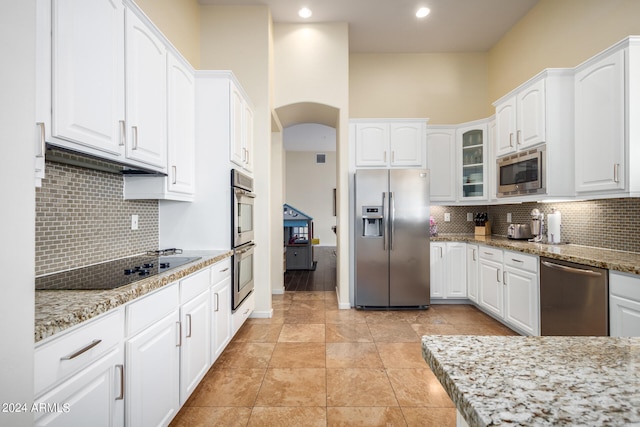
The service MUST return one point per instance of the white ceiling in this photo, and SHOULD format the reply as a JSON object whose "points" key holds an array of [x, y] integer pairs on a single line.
{"points": [[390, 26]]}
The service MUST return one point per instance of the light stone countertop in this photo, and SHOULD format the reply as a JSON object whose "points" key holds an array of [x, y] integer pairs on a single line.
{"points": [[627, 262], [541, 381], [58, 310]]}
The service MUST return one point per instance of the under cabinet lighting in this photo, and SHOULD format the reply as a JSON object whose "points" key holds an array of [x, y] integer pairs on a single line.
{"points": [[305, 12], [422, 12]]}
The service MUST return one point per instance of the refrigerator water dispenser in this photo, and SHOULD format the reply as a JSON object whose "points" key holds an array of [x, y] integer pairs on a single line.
{"points": [[372, 221]]}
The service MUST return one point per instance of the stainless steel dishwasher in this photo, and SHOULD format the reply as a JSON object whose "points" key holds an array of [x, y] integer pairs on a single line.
{"points": [[574, 299]]}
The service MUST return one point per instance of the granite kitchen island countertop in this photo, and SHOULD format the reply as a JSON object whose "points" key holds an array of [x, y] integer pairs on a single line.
{"points": [[57, 310], [627, 262], [545, 381]]}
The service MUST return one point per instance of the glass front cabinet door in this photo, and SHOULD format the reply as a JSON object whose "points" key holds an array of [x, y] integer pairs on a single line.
{"points": [[473, 161]]}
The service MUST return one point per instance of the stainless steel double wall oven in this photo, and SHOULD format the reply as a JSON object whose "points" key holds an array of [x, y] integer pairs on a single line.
{"points": [[242, 234]]}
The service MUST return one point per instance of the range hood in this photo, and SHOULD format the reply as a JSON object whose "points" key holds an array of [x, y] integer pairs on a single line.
{"points": [[70, 157]]}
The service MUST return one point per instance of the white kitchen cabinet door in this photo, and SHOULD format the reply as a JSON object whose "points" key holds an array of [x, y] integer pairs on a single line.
{"points": [[530, 119], [236, 142], [372, 144], [521, 306], [146, 80], [247, 141], [491, 290], [624, 305], [221, 319], [441, 161], [472, 154], [406, 144], [181, 119], [195, 351], [93, 396], [153, 374], [506, 127], [85, 74], [437, 269], [600, 125], [472, 272], [456, 270]]}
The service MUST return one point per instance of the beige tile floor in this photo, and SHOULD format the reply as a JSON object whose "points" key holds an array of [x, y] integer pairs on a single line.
{"points": [[314, 365]]}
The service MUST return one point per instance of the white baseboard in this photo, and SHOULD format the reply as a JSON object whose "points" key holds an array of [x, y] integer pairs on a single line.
{"points": [[277, 291], [266, 314]]}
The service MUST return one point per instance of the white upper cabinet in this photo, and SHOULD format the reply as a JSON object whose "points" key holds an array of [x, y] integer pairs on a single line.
{"points": [[607, 99], [241, 142], [146, 79], [390, 143], [87, 91], [471, 143], [441, 161], [521, 119]]}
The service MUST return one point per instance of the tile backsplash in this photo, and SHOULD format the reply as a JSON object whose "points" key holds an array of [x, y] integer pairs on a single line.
{"points": [[608, 223], [82, 219]]}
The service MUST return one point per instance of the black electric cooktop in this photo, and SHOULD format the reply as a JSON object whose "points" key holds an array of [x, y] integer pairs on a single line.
{"points": [[111, 274]]}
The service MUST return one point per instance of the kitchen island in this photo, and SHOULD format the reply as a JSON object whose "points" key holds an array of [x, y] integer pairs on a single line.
{"points": [[493, 380]]}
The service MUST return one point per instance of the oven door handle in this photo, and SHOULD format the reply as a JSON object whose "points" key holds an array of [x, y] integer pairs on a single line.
{"points": [[245, 249], [245, 193]]}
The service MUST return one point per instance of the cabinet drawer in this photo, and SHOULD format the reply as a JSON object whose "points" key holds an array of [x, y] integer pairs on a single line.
{"points": [[194, 285], [63, 356], [624, 285], [151, 308], [220, 271], [521, 261], [243, 312], [490, 253]]}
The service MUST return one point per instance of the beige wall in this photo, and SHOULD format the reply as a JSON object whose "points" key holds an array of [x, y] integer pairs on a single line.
{"points": [[558, 33], [309, 187], [238, 38], [446, 88], [179, 21], [311, 65]]}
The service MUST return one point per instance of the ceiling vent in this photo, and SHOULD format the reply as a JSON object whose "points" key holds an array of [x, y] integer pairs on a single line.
{"points": [[321, 158]]}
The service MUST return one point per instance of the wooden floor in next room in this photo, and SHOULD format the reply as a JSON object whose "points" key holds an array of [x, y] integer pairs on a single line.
{"points": [[314, 365]]}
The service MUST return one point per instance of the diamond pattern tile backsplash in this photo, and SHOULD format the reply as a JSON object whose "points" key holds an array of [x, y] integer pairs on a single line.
{"points": [[608, 223], [82, 219]]}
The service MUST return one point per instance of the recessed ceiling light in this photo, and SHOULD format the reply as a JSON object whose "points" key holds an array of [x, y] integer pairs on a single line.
{"points": [[305, 12], [422, 12]]}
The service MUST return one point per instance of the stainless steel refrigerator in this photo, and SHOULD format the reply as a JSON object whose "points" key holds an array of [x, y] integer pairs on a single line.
{"points": [[392, 238]]}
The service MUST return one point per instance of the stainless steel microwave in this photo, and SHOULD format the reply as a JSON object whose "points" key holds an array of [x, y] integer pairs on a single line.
{"points": [[522, 173]]}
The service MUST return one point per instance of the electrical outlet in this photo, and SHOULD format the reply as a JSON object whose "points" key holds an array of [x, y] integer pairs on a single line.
{"points": [[509, 217], [134, 222], [447, 217], [469, 216]]}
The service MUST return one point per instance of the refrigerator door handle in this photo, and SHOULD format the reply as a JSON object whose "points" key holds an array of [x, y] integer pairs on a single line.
{"points": [[386, 218], [392, 219]]}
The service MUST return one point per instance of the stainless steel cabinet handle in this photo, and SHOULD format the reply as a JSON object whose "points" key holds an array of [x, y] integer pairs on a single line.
{"points": [[217, 302], [41, 140], [385, 157], [175, 174], [246, 311], [188, 326], [574, 270], [123, 133], [511, 139], [504, 277], [616, 172], [488, 253], [498, 275], [121, 368], [134, 129], [441, 251], [516, 260], [248, 154], [519, 139], [224, 269], [82, 350], [474, 254], [393, 156], [179, 327]]}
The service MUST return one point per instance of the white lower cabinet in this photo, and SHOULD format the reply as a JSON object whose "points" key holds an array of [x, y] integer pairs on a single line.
{"points": [[195, 345], [491, 292], [243, 312], [220, 308], [153, 373], [79, 376], [521, 298], [473, 266], [624, 305], [448, 270], [508, 288]]}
